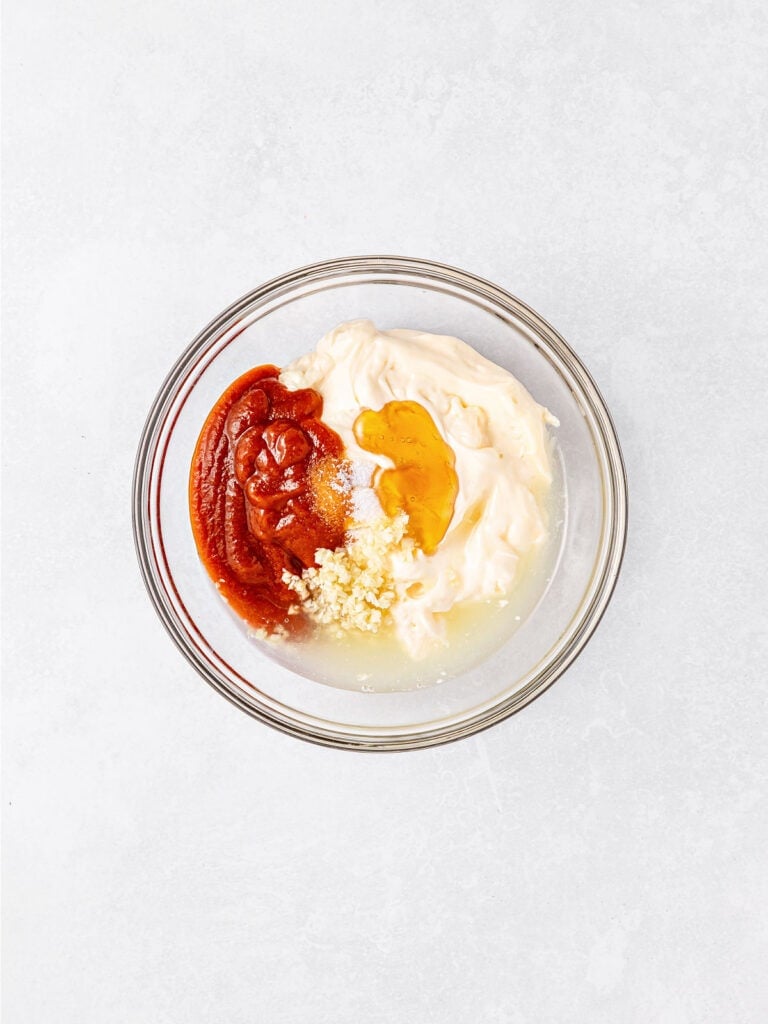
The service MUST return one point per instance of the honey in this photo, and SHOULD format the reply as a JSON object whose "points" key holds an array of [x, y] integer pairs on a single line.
{"points": [[423, 483]]}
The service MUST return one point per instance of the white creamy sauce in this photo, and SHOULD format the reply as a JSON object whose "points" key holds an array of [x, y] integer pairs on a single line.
{"points": [[499, 436]]}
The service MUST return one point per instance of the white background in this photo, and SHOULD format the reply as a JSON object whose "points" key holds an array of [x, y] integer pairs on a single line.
{"points": [[601, 857]]}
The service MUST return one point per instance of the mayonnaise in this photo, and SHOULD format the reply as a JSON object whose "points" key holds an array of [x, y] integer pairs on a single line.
{"points": [[498, 434]]}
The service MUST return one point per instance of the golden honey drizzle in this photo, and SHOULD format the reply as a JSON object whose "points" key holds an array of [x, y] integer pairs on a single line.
{"points": [[423, 483]]}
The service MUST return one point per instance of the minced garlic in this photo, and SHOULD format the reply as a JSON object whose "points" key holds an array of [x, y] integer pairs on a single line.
{"points": [[353, 587]]}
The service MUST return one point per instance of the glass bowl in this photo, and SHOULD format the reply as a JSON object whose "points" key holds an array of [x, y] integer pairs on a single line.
{"points": [[285, 318]]}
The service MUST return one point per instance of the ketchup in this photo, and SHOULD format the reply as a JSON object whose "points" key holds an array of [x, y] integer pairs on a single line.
{"points": [[251, 500]]}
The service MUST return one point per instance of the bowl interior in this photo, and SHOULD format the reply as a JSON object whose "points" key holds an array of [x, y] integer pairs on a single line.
{"points": [[281, 322]]}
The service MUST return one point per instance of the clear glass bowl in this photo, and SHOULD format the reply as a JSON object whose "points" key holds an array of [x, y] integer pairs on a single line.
{"points": [[280, 321]]}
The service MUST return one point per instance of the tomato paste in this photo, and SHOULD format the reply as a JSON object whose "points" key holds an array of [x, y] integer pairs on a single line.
{"points": [[252, 505]]}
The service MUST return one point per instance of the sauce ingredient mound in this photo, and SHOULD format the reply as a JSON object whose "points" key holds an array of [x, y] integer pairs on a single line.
{"points": [[372, 486], [254, 515], [423, 483]]}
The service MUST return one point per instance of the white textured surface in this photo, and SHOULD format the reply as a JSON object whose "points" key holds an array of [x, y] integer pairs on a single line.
{"points": [[598, 858]]}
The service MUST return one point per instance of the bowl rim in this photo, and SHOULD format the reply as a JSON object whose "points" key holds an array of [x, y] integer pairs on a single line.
{"points": [[606, 568]]}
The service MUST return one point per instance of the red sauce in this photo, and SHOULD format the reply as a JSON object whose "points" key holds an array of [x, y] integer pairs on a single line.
{"points": [[251, 502]]}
